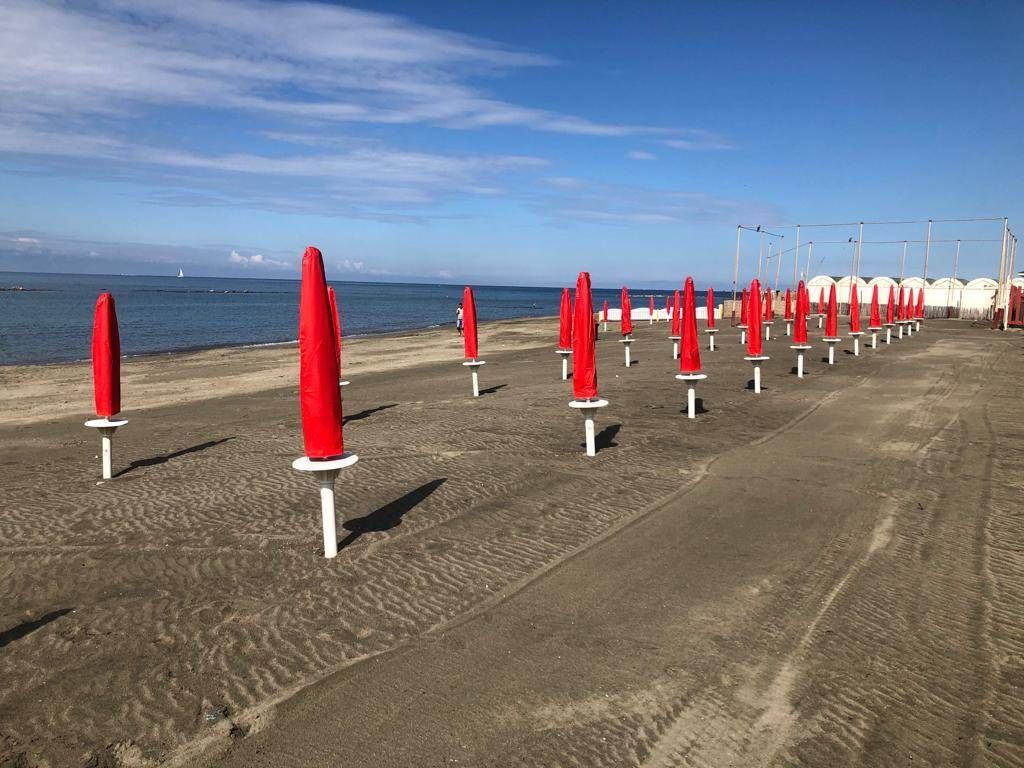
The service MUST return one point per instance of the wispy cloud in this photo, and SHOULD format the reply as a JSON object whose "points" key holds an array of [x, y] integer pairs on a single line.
{"points": [[695, 139], [594, 202], [637, 154], [38, 251], [291, 84]]}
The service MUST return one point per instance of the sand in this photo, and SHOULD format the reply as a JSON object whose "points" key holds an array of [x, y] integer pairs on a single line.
{"points": [[829, 573]]}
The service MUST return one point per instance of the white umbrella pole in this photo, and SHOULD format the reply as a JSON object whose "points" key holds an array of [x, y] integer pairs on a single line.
{"points": [[107, 428], [326, 472]]}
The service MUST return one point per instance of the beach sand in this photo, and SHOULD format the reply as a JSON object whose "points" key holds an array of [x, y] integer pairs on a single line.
{"points": [[829, 573]]}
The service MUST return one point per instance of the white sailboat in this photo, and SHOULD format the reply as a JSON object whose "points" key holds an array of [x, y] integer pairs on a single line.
{"points": [[180, 273]]}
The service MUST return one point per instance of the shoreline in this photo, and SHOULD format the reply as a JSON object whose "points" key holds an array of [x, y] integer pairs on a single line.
{"points": [[177, 351], [154, 380]]}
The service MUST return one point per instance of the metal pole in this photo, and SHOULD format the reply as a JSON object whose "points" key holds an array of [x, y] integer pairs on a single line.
{"points": [[927, 249], [949, 293], [736, 268], [860, 241], [760, 255], [807, 271], [1002, 267], [796, 257], [778, 266], [903, 260], [1009, 281]]}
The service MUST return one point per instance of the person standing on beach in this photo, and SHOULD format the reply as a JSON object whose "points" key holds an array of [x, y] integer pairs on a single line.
{"points": [[458, 319]]}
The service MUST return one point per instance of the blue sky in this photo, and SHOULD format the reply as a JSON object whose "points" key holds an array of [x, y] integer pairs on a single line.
{"points": [[500, 142]]}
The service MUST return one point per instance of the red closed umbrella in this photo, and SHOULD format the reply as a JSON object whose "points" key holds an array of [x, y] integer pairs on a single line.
{"points": [[336, 321], [711, 307], [626, 321], [821, 301], [890, 307], [744, 306], [800, 327], [565, 321], [319, 396], [106, 358], [651, 308], [754, 346], [920, 304], [584, 351], [875, 320], [854, 310], [689, 358], [832, 314], [604, 312], [668, 306], [677, 316], [789, 305], [901, 306], [769, 310], [469, 338]]}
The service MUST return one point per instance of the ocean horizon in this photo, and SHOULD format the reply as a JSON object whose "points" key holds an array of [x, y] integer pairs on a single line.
{"points": [[50, 321]]}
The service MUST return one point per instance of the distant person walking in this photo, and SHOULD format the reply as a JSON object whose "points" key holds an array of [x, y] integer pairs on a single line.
{"points": [[458, 319]]}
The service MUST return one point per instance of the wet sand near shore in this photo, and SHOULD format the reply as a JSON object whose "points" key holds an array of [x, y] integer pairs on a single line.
{"points": [[829, 573]]}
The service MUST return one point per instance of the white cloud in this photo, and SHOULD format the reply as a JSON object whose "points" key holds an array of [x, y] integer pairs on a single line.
{"points": [[290, 59], [637, 154], [694, 139], [257, 260], [595, 202]]}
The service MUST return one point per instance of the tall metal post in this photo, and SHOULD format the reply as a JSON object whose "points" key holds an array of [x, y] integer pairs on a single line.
{"points": [[1009, 280], [949, 293], [903, 260], [796, 258], [760, 255], [807, 271], [736, 267], [860, 241], [778, 267], [1002, 266]]}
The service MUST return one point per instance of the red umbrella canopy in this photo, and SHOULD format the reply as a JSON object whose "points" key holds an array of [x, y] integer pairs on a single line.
{"points": [[743, 307], [821, 301], [677, 318], [651, 308], [768, 308], [920, 303], [336, 322], [854, 309], [890, 307], [106, 358], [469, 324], [565, 321], [909, 311], [584, 351], [668, 306], [689, 357], [319, 395], [832, 314], [875, 320], [901, 306], [604, 311], [789, 305], [711, 307], [802, 305], [626, 321], [754, 347]]}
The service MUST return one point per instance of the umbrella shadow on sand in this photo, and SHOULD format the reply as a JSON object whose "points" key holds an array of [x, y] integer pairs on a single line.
{"points": [[154, 460], [606, 438], [367, 413], [19, 631], [390, 515], [492, 390]]}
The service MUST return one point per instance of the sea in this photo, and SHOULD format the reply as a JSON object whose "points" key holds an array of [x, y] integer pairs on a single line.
{"points": [[50, 321]]}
